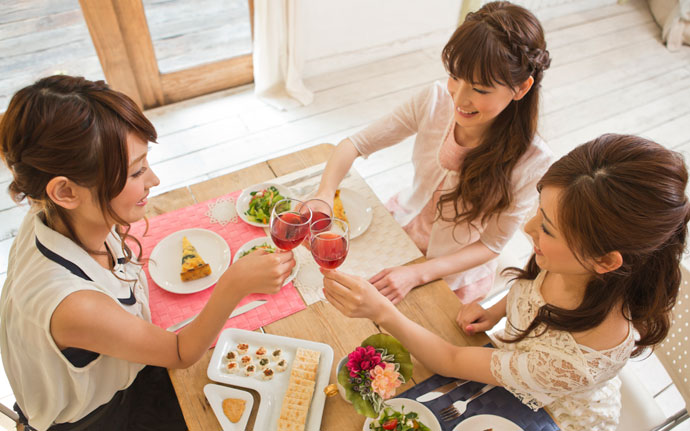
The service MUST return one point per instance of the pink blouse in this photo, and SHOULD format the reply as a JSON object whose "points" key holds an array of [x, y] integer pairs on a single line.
{"points": [[430, 116], [450, 156]]}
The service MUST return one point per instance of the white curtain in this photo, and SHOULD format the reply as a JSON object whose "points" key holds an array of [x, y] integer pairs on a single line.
{"points": [[279, 54]]}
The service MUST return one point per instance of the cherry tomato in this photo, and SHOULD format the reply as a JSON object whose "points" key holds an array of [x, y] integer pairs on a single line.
{"points": [[390, 424]]}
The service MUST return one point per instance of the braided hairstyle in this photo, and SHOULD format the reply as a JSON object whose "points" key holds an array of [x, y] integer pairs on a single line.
{"points": [[500, 44], [69, 126], [627, 194]]}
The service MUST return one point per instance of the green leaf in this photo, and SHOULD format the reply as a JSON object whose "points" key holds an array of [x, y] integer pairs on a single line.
{"points": [[362, 406], [393, 347]]}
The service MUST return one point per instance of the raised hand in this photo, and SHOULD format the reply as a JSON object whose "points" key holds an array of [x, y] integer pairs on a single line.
{"points": [[396, 282], [260, 271], [353, 296]]}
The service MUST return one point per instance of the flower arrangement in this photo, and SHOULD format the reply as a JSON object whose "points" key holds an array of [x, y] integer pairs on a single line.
{"points": [[373, 372]]}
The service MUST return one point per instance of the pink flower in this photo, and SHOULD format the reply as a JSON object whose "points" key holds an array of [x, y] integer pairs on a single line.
{"points": [[362, 359], [384, 381]]}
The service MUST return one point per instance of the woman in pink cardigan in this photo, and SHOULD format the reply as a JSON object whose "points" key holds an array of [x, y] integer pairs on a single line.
{"points": [[476, 157]]}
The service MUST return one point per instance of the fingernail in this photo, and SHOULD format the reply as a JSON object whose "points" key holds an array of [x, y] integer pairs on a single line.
{"points": [[469, 328]]}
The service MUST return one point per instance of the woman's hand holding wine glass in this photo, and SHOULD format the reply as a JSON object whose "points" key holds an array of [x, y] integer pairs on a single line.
{"points": [[289, 223], [329, 242]]}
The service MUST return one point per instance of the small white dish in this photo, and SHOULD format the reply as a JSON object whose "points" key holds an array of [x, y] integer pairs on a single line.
{"points": [[242, 204], [164, 262], [482, 422], [215, 394], [265, 240], [272, 391], [359, 213], [425, 415]]}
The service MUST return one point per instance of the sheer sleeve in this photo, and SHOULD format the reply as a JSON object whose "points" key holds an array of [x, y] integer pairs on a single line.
{"points": [[539, 375], [402, 122]]}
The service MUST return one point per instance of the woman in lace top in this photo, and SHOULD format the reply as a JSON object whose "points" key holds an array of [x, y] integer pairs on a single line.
{"points": [[476, 154], [608, 238]]}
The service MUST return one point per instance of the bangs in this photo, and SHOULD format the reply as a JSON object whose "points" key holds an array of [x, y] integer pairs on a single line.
{"points": [[474, 55]]}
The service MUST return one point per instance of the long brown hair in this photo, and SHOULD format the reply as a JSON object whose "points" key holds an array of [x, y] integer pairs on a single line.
{"points": [[500, 44], [69, 126], [627, 194]]}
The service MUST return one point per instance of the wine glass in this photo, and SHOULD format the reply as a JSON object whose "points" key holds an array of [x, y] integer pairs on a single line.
{"points": [[329, 244], [321, 213], [289, 223], [319, 210]]}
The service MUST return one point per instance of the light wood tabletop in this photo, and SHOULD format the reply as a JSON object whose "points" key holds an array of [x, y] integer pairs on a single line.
{"points": [[433, 306]]}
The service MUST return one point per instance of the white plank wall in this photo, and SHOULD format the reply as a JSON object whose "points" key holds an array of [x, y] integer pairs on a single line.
{"points": [[610, 73]]}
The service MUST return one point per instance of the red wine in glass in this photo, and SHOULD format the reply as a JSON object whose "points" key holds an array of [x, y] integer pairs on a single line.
{"points": [[291, 226], [329, 247], [320, 221], [290, 231], [321, 213]]}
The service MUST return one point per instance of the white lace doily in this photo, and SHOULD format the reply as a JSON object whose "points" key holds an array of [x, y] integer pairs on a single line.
{"points": [[222, 211]]}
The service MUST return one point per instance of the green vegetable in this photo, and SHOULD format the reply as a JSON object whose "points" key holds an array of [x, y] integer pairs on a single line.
{"points": [[397, 421], [266, 246], [261, 204]]}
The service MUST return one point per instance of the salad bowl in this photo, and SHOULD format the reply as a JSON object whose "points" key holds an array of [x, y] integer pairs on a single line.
{"points": [[255, 203]]}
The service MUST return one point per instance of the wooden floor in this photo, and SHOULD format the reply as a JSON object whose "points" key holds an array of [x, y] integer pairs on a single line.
{"points": [[610, 73]]}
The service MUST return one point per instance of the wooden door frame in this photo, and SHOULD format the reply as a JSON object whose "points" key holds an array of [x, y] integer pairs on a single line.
{"points": [[122, 40]]}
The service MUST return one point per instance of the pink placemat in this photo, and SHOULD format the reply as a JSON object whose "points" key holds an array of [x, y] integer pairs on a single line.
{"points": [[169, 308]]}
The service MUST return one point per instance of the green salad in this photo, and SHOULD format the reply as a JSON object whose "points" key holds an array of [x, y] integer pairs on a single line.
{"points": [[266, 246], [391, 420], [261, 204]]}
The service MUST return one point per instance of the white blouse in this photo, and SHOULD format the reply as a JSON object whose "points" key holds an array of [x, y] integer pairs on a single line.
{"points": [[579, 385], [430, 114], [44, 268]]}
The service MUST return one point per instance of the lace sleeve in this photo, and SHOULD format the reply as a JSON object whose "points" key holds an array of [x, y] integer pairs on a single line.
{"points": [[537, 376]]}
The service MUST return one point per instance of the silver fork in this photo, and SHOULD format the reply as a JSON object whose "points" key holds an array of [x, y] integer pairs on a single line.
{"points": [[456, 409]]}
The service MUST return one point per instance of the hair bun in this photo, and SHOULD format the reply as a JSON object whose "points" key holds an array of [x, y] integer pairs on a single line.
{"points": [[540, 59]]}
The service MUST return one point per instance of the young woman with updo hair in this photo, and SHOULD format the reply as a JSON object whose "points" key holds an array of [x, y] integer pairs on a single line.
{"points": [[476, 156], [608, 237], [76, 337]]}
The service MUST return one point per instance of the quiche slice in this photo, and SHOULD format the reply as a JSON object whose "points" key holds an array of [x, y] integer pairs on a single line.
{"points": [[338, 208], [193, 266]]}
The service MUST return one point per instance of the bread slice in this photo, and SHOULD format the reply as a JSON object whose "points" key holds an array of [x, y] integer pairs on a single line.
{"points": [[193, 266]]}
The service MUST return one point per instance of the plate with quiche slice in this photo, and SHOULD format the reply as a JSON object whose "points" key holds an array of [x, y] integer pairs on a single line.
{"points": [[289, 374], [352, 207], [189, 260]]}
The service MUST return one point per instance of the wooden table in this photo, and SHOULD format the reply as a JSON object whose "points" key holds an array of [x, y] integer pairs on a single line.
{"points": [[433, 306]]}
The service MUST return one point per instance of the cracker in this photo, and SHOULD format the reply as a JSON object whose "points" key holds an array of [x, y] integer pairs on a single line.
{"points": [[307, 375], [311, 355], [304, 366], [233, 409]]}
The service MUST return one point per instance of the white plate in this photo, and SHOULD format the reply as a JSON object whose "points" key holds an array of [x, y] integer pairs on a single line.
{"points": [[215, 394], [424, 414], [261, 240], [482, 422], [164, 262], [243, 199], [272, 391], [358, 211]]}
